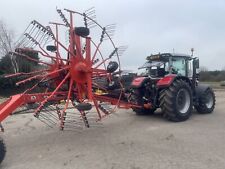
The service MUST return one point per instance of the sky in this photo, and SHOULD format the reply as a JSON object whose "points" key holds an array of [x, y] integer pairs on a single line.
{"points": [[145, 26]]}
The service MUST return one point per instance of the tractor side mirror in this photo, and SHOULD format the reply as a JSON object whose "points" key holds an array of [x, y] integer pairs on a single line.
{"points": [[196, 63]]}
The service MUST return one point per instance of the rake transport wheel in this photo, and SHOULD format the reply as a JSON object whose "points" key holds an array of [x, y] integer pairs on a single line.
{"points": [[2, 150], [207, 102], [137, 98], [84, 107], [176, 102]]}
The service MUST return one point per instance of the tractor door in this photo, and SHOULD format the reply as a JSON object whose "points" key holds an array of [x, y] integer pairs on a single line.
{"points": [[179, 66]]}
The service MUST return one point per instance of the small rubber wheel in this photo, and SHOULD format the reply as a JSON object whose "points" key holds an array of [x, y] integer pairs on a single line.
{"points": [[207, 102], [2, 150], [84, 106], [112, 66], [51, 48], [82, 31]]}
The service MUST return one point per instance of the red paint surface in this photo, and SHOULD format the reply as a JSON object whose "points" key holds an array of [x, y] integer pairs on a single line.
{"points": [[166, 81], [137, 81]]}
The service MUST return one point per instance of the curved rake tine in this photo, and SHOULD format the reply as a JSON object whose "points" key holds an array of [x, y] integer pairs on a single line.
{"points": [[63, 17], [67, 103]]}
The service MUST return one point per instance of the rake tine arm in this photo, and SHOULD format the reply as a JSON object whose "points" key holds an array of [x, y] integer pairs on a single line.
{"points": [[23, 73], [29, 58], [96, 51], [103, 62], [33, 86], [37, 76], [52, 94], [28, 79], [47, 55], [67, 104]]}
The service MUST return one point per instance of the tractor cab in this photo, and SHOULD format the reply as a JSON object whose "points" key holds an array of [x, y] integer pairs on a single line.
{"points": [[160, 65]]}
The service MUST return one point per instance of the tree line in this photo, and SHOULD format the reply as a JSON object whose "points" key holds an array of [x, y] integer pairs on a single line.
{"points": [[212, 76], [13, 63]]}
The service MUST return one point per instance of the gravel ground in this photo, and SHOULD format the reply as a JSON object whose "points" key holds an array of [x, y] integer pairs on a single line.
{"points": [[121, 141]]}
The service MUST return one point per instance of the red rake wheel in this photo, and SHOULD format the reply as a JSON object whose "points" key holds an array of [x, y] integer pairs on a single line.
{"points": [[83, 72]]}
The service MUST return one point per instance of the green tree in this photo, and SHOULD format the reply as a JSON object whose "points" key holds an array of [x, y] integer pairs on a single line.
{"points": [[6, 45], [26, 65], [11, 63]]}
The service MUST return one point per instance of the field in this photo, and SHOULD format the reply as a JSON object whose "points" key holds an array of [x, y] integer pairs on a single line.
{"points": [[121, 141]]}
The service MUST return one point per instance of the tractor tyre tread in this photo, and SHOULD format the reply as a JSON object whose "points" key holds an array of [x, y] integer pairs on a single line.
{"points": [[201, 107], [168, 101]]}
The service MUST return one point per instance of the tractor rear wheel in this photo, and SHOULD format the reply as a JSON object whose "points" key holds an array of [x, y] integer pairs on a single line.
{"points": [[136, 98], [176, 101], [2, 150], [207, 102]]}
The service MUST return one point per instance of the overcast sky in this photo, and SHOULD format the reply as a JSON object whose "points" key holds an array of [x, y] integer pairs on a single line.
{"points": [[146, 26]]}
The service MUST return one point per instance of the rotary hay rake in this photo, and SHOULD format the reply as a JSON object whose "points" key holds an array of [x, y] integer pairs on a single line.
{"points": [[78, 75]]}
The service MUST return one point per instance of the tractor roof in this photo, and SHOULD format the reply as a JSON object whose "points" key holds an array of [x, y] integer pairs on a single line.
{"points": [[165, 56]]}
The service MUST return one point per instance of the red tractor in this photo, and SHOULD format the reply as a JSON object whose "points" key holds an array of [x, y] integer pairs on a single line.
{"points": [[170, 82]]}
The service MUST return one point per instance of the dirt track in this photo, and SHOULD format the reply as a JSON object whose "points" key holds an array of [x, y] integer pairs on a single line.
{"points": [[124, 141]]}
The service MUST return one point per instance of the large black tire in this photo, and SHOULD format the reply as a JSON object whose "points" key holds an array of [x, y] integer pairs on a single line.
{"points": [[176, 101], [207, 102], [2, 150], [136, 98]]}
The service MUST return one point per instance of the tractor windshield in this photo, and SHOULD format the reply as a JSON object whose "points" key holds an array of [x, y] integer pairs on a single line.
{"points": [[160, 68], [151, 64], [154, 69]]}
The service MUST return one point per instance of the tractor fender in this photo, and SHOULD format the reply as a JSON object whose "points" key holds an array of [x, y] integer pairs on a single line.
{"points": [[168, 80], [139, 82], [200, 89]]}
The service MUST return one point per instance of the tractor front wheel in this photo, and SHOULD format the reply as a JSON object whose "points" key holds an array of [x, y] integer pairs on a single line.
{"points": [[206, 102], [176, 101]]}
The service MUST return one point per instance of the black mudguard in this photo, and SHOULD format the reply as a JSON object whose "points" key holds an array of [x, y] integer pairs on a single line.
{"points": [[200, 89]]}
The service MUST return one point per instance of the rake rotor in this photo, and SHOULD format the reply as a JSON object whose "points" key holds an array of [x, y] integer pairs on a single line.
{"points": [[82, 75]]}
